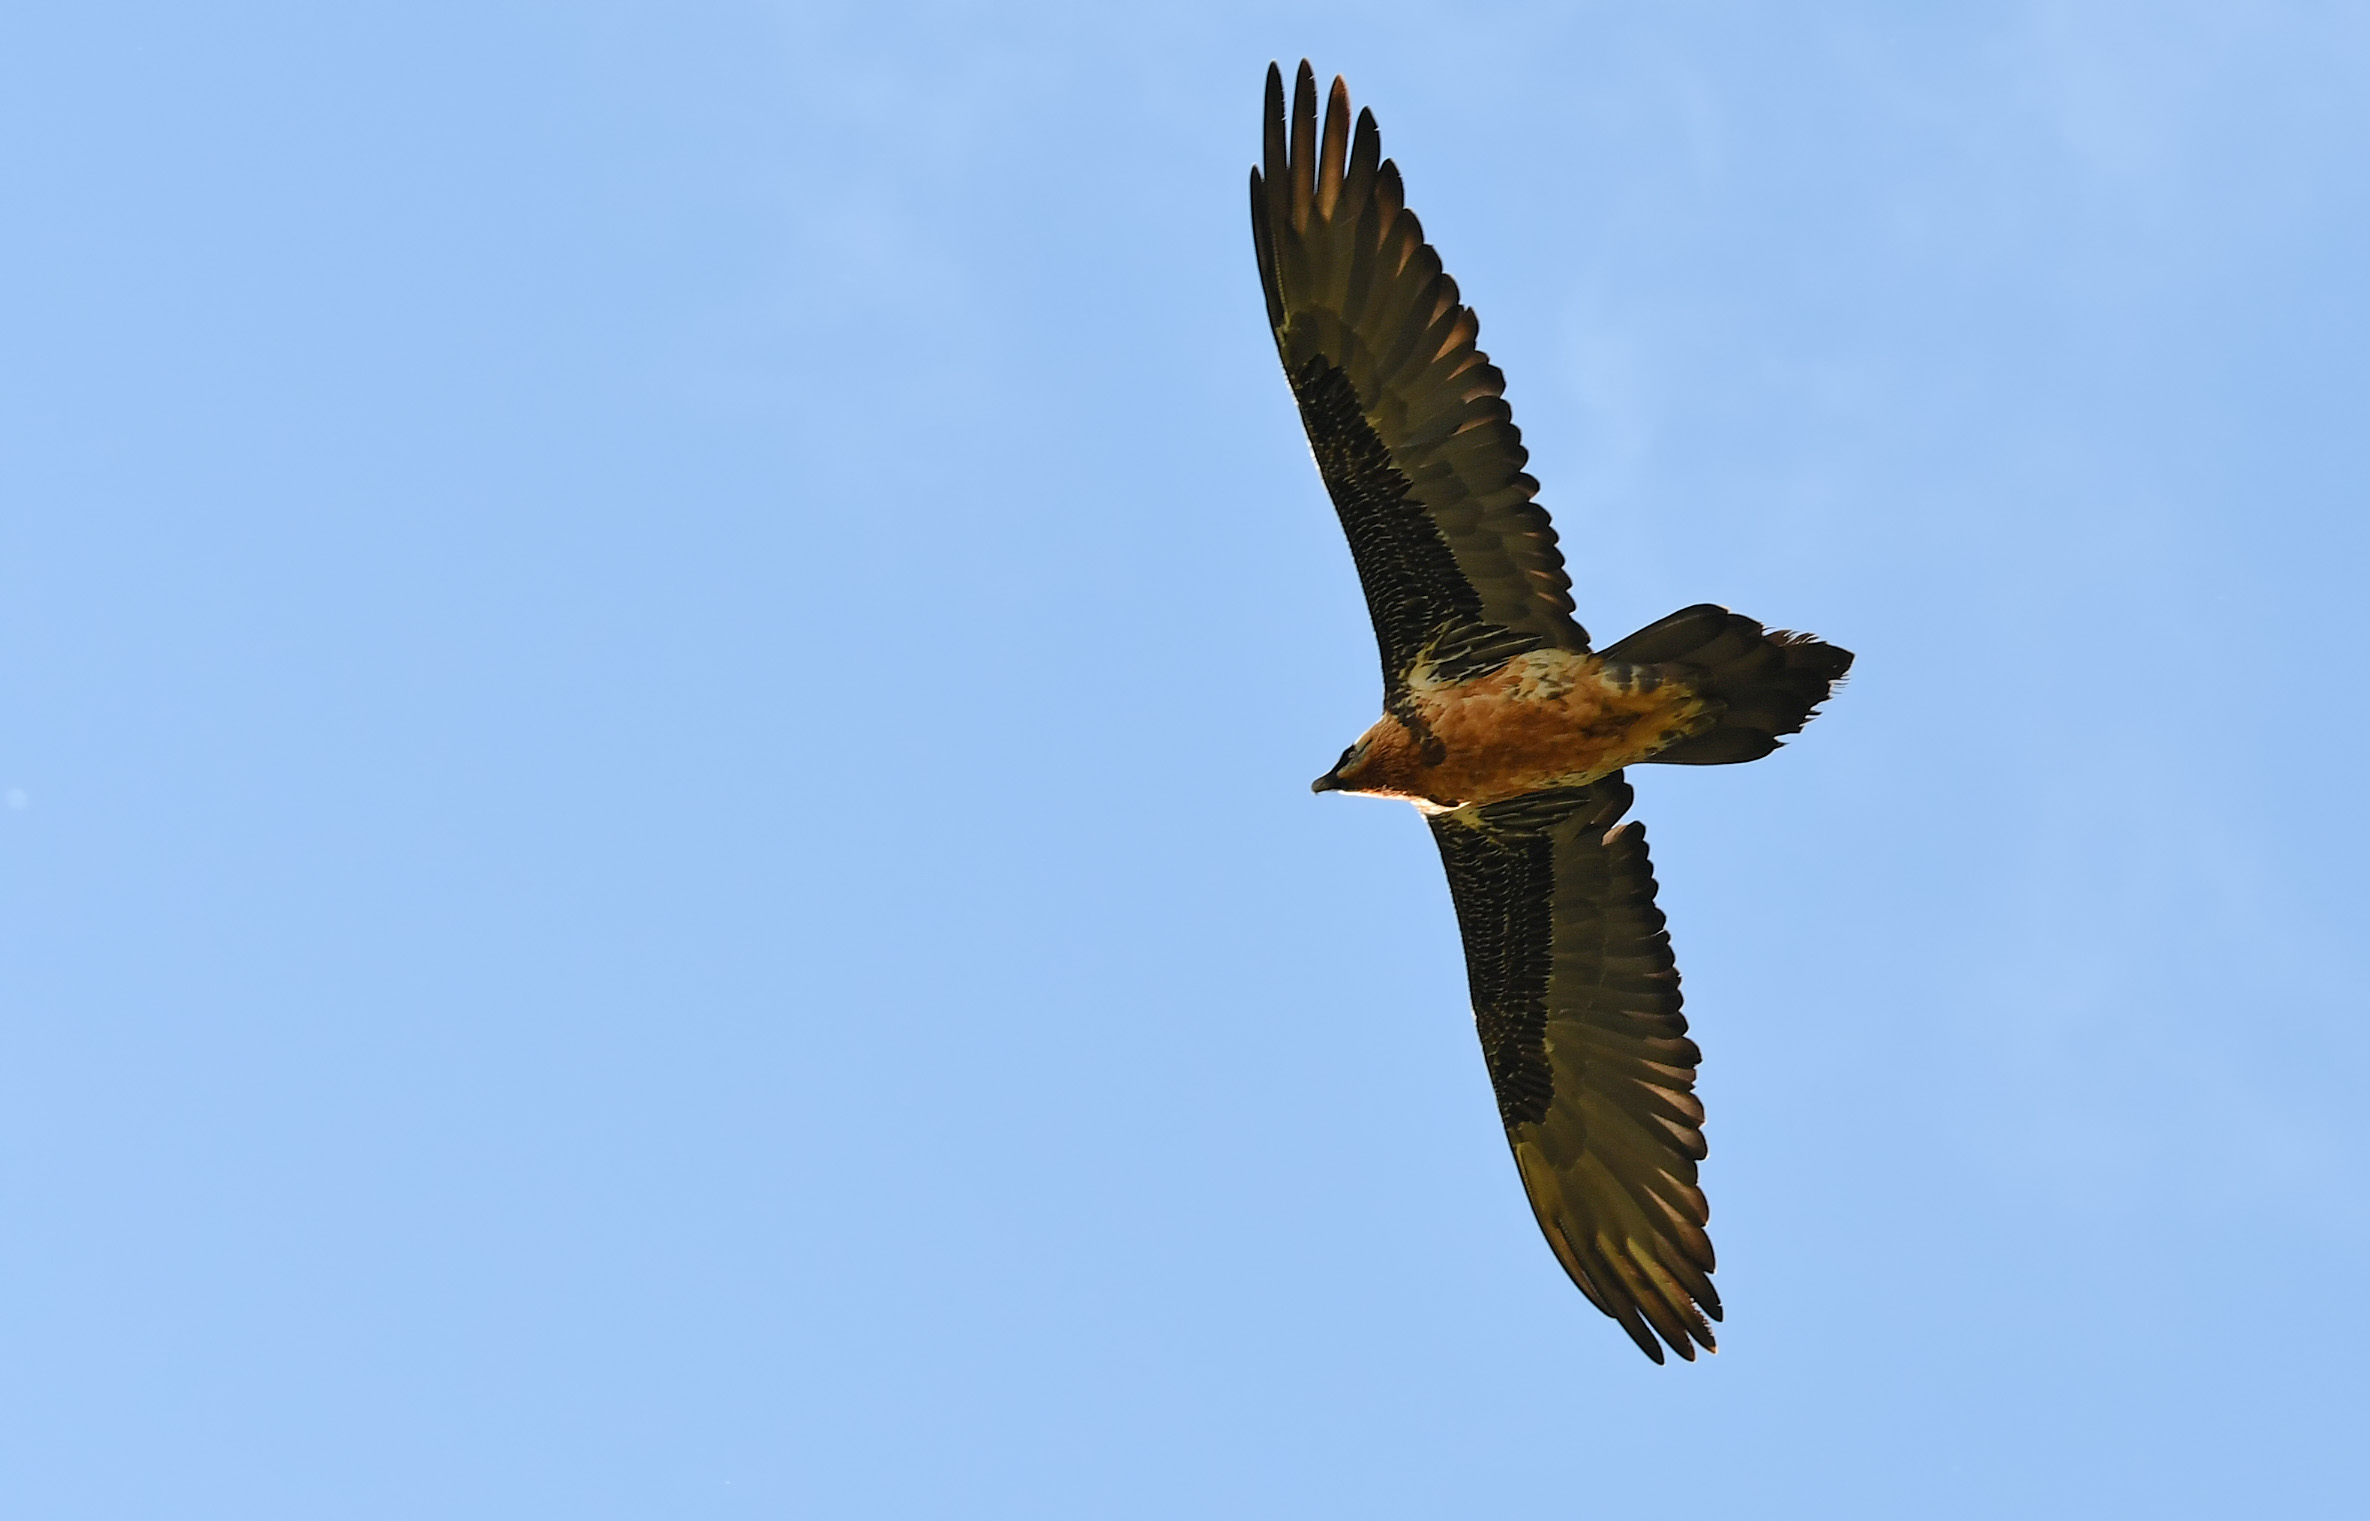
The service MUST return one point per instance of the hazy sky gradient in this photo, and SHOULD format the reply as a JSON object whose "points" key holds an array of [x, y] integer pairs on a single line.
{"points": [[658, 671]]}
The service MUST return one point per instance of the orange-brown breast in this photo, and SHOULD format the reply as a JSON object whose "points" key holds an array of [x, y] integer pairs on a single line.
{"points": [[1550, 718]]}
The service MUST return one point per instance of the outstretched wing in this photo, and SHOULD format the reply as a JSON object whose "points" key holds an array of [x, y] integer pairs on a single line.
{"points": [[1407, 417], [1577, 1002]]}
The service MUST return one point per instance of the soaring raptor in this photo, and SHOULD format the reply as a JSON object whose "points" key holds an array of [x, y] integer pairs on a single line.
{"points": [[1505, 728]]}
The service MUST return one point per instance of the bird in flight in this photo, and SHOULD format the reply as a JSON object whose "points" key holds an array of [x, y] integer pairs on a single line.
{"points": [[1505, 728]]}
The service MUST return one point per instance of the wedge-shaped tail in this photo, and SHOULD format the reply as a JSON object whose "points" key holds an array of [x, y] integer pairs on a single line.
{"points": [[1769, 682]]}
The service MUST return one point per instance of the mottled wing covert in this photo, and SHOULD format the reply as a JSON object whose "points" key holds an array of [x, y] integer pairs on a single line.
{"points": [[1406, 416], [1576, 999]]}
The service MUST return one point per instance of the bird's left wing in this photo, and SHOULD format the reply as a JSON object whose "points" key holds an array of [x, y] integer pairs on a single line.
{"points": [[1576, 998], [1405, 414]]}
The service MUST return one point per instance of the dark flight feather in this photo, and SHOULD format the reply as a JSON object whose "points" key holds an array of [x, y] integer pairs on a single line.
{"points": [[1405, 414], [1576, 998]]}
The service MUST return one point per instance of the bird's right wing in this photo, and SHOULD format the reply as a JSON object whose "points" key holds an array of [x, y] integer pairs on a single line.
{"points": [[1576, 998], [1405, 414]]}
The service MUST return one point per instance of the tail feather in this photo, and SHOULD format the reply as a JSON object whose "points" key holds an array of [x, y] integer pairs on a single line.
{"points": [[1769, 682]]}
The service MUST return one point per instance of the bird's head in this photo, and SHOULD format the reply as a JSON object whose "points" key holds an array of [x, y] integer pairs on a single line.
{"points": [[1385, 759], [1344, 775]]}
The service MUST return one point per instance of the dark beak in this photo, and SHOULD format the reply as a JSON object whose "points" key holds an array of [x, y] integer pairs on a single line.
{"points": [[1329, 782]]}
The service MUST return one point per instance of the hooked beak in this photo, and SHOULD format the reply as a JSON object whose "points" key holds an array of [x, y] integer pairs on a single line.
{"points": [[1329, 782]]}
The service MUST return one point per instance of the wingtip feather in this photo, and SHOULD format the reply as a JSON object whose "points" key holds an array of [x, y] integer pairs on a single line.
{"points": [[1333, 157]]}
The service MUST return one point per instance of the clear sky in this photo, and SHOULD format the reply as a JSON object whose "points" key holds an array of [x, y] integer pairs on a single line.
{"points": [[658, 672]]}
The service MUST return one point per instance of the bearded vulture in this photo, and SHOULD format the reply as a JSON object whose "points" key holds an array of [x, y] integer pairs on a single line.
{"points": [[1505, 728]]}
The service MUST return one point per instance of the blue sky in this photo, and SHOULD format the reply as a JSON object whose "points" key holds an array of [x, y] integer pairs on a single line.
{"points": [[658, 670]]}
